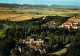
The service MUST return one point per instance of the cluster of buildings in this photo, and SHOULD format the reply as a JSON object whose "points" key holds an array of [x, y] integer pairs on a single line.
{"points": [[50, 24], [71, 25], [67, 25], [32, 42]]}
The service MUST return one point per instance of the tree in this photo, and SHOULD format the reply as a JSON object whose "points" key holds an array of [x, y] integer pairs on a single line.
{"points": [[6, 47], [1, 26], [48, 34], [78, 34], [43, 34], [52, 41], [74, 49]]}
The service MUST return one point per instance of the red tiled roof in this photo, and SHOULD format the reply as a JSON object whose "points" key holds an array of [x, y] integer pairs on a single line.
{"points": [[43, 24], [69, 22], [66, 24], [77, 21], [53, 21], [75, 26]]}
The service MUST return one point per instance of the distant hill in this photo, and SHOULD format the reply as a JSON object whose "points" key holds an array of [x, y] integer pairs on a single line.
{"points": [[33, 6], [64, 7], [28, 6], [22, 6], [9, 5]]}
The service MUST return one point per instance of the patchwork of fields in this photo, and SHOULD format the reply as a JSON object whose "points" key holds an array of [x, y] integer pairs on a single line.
{"points": [[19, 15]]}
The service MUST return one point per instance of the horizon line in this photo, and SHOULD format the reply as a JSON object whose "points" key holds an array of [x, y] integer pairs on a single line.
{"points": [[40, 4]]}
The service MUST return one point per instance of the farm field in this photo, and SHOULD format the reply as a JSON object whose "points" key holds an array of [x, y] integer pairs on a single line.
{"points": [[24, 17], [7, 16], [19, 15], [72, 20]]}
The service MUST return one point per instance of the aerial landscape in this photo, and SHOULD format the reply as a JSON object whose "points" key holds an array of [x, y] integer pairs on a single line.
{"points": [[40, 28]]}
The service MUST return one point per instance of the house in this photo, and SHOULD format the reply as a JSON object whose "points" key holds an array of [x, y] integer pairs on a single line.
{"points": [[69, 23], [50, 24], [66, 26], [75, 27], [33, 40], [76, 23], [53, 22]]}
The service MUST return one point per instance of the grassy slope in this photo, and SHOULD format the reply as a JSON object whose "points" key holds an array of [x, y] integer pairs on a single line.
{"points": [[62, 50]]}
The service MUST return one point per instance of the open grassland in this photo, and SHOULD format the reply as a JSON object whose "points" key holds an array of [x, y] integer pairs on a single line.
{"points": [[19, 15]]}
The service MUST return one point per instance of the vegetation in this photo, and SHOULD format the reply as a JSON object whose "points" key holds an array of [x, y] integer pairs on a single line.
{"points": [[57, 38], [27, 6], [74, 49]]}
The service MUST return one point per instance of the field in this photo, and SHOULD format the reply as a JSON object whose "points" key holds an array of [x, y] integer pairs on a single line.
{"points": [[7, 16], [72, 20], [19, 15], [16, 17], [24, 17]]}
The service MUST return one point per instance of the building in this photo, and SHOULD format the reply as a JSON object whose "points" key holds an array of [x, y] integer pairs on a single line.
{"points": [[71, 25], [76, 23], [33, 40], [75, 27], [66, 26], [50, 24]]}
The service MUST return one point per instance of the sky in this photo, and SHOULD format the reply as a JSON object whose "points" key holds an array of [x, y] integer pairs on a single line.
{"points": [[43, 2]]}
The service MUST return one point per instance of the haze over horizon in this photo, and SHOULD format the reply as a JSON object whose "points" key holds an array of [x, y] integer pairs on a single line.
{"points": [[43, 2]]}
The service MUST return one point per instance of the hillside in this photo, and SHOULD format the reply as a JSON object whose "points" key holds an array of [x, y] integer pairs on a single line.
{"points": [[28, 6], [64, 7]]}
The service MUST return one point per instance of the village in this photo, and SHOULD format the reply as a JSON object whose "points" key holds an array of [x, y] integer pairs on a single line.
{"points": [[38, 43], [67, 25], [43, 36]]}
